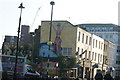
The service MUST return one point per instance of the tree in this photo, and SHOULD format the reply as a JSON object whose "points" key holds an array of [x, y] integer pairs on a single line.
{"points": [[66, 63], [25, 49]]}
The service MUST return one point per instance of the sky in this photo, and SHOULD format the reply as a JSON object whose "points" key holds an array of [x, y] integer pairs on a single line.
{"points": [[74, 11]]}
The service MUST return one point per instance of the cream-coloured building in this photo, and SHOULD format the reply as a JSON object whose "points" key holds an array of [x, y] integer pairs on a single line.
{"points": [[109, 32], [74, 39]]}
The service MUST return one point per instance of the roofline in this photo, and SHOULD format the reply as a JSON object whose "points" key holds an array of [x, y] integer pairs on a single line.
{"points": [[97, 24], [59, 21]]}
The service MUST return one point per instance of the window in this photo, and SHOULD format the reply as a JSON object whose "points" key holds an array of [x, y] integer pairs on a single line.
{"points": [[92, 55], [101, 58], [81, 52], [85, 55], [67, 51], [86, 39], [78, 49], [89, 56], [117, 62], [118, 58], [99, 44], [83, 38], [96, 43], [93, 42], [79, 36], [95, 56], [90, 41], [98, 58], [104, 47], [64, 50]]}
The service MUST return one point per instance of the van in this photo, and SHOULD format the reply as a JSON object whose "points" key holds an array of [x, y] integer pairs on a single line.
{"points": [[30, 72]]}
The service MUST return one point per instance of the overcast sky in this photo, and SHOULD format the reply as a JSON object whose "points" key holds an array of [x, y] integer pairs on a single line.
{"points": [[75, 11]]}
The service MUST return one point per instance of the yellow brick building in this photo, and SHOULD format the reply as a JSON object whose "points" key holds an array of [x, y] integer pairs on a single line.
{"points": [[68, 35]]}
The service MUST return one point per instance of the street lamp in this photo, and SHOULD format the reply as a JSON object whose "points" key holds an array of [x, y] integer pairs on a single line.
{"points": [[15, 69], [83, 73], [90, 69], [52, 3], [33, 37], [50, 43]]}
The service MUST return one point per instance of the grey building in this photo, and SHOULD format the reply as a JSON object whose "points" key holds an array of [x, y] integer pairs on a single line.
{"points": [[119, 13], [36, 43], [25, 34], [10, 39]]}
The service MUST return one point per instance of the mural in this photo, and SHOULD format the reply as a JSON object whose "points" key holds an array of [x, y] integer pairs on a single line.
{"points": [[55, 48], [58, 29], [44, 50]]}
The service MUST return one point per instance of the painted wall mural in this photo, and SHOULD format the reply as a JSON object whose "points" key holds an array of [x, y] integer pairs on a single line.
{"points": [[58, 29], [44, 50], [55, 48]]}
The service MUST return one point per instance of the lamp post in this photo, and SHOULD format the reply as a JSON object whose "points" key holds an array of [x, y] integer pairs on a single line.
{"points": [[52, 3], [83, 73], [50, 43], [33, 37], [15, 69], [90, 69]]}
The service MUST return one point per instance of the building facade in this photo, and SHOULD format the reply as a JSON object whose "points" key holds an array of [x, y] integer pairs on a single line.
{"points": [[9, 45], [109, 32], [36, 42], [28, 43], [119, 13], [25, 34], [73, 39], [109, 57]]}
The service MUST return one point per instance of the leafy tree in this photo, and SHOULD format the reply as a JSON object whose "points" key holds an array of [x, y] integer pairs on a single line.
{"points": [[24, 49], [66, 63], [12, 50]]}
